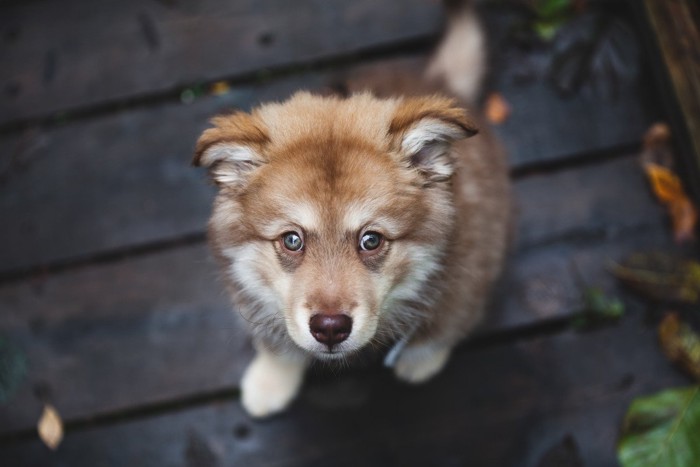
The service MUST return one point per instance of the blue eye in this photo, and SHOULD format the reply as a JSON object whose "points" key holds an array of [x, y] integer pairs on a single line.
{"points": [[370, 241], [292, 241]]}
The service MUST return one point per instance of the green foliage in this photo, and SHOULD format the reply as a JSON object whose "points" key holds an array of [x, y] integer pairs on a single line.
{"points": [[551, 15], [662, 430], [598, 309]]}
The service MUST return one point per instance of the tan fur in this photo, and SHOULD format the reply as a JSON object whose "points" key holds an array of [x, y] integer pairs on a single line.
{"points": [[332, 169]]}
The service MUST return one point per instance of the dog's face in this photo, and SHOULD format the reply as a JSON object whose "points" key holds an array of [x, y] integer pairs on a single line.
{"points": [[330, 212]]}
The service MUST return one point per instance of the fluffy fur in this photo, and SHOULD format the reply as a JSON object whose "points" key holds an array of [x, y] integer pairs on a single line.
{"points": [[332, 169]]}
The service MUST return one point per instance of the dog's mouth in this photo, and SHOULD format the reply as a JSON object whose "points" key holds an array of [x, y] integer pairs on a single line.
{"points": [[334, 354], [331, 354]]}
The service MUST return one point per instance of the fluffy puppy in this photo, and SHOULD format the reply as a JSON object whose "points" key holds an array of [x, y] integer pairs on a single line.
{"points": [[341, 223]]}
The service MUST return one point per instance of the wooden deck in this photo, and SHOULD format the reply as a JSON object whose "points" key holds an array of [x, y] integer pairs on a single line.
{"points": [[107, 288]]}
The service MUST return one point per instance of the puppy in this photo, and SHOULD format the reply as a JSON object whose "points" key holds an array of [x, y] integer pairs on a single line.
{"points": [[344, 223]]}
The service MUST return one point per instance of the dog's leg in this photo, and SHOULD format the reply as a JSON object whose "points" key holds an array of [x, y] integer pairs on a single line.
{"points": [[419, 362], [271, 382]]}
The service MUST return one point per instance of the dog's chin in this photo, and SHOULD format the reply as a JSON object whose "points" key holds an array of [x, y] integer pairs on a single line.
{"points": [[331, 356]]}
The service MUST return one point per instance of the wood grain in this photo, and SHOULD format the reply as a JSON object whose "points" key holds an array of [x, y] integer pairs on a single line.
{"points": [[124, 180], [57, 57], [501, 406]]}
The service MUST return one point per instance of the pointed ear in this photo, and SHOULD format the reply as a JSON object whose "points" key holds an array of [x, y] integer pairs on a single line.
{"points": [[423, 130], [233, 148]]}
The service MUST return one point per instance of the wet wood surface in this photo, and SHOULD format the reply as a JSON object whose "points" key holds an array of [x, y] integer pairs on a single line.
{"points": [[506, 405], [62, 56], [107, 288]]}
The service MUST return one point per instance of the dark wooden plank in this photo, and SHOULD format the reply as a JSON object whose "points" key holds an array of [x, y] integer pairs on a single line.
{"points": [[163, 321], [501, 406], [123, 180], [61, 56], [605, 198], [108, 337]]}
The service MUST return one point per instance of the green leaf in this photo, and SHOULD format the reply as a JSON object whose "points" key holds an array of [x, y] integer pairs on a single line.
{"points": [[662, 430], [551, 16], [598, 309], [548, 9]]}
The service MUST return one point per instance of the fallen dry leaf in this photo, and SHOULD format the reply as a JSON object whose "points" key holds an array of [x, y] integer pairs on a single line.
{"points": [[657, 160], [497, 109], [660, 277], [219, 88], [680, 344], [657, 145], [50, 427]]}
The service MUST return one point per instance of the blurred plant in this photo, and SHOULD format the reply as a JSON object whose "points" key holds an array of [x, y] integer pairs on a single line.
{"points": [[551, 15], [599, 309], [662, 430], [660, 277], [189, 95], [591, 41], [594, 48], [680, 344]]}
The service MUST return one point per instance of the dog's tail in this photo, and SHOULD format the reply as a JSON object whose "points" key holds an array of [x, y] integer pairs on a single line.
{"points": [[460, 60]]}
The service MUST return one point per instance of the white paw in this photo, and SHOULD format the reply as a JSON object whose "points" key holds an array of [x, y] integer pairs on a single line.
{"points": [[420, 363], [270, 383]]}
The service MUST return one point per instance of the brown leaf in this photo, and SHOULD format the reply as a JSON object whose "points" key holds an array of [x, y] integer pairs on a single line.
{"points": [[497, 109], [680, 344], [657, 160], [50, 427], [219, 88], [661, 277], [657, 145]]}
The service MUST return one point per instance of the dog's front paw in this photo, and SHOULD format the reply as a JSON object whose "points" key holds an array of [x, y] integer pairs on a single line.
{"points": [[417, 364], [270, 383]]}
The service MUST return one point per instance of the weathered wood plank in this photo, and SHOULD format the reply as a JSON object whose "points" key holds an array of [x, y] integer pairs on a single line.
{"points": [[61, 56], [163, 321], [124, 180], [500, 406], [603, 198], [138, 331]]}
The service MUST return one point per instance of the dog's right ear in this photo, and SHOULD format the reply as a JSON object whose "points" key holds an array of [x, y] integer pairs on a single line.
{"points": [[232, 149], [422, 130]]}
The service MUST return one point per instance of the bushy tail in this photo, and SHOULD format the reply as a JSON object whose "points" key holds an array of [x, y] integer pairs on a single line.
{"points": [[460, 60]]}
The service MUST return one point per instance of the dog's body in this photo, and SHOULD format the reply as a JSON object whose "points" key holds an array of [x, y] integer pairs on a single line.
{"points": [[342, 223]]}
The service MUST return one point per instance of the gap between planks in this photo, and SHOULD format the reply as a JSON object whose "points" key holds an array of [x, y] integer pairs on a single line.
{"points": [[480, 341], [391, 50]]}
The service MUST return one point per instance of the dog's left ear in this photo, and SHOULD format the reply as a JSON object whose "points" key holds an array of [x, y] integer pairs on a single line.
{"points": [[422, 131], [232, 149]]}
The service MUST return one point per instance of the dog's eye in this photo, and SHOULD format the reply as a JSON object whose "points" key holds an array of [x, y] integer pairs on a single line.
{"points": [[370, 241], [292, 241]]}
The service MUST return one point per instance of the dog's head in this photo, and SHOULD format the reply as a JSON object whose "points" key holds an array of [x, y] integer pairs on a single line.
{"points": [[331, 211]]}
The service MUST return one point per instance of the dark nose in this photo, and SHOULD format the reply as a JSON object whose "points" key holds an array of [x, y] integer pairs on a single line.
{"points": [[330, 329]]}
